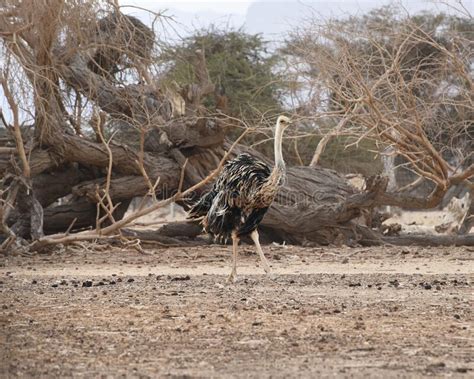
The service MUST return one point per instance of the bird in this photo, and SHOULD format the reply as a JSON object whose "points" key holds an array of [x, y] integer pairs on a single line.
{"points": [[240, 197]]}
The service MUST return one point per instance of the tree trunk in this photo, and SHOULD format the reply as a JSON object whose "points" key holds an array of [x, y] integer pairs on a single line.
{"points": [[77, 214]]}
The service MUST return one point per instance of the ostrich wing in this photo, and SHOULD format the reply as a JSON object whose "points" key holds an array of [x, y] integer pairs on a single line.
{"points": [[233, 203], [241, 180]]}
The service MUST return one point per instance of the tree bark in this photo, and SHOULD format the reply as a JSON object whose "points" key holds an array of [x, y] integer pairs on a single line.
{"points": [[76, 215], [53, 185], [161, 237]]}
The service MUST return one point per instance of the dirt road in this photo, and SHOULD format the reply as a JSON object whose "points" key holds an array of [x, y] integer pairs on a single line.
{"points": [[378, 312]]}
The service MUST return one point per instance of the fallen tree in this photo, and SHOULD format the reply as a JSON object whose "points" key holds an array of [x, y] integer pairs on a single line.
{"points": [[72, 177]]}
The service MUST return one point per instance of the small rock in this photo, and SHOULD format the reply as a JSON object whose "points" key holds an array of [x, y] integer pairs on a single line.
{"points": [[427, 286], [179, 278], [354, 284], [394, 283], [130, 280], [435, 366], [87, 283]]}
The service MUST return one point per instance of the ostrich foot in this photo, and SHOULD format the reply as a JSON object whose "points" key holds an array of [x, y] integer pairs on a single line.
{"points": [[266, 268], [232, 278]]}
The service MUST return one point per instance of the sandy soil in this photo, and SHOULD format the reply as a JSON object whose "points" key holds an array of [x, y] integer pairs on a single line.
{"points": [[101, 312], [415, 222]]}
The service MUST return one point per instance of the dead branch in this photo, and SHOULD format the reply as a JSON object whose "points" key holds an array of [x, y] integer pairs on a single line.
{"points": [[116, 226], [16, 127], [332, 133]]}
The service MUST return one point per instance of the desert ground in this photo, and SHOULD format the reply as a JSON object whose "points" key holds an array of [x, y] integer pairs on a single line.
{"points": [[94, 310]]}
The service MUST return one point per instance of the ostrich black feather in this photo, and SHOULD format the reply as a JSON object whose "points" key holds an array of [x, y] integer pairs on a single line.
{"points": [[238, 200]]}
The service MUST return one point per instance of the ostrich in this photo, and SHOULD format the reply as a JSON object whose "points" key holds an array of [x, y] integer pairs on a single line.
{"points": [[240, 197]]}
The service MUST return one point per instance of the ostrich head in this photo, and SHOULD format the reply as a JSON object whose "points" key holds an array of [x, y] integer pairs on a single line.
{"points": [[283, 122]]}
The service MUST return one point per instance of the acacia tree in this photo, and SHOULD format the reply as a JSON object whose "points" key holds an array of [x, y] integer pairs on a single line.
{"points": [[240, 64]]}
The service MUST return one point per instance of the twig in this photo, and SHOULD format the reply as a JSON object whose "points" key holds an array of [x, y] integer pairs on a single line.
{"points": [[181, 178], [68, 230], [334, 132], [109, 208], [16, 127]]}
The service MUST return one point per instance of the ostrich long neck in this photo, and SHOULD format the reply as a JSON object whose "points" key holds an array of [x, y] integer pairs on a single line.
{"points": [[268, 190], [279, 162]]}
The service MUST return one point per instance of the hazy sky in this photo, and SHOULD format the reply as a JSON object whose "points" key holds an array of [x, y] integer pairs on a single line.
{"points": [[270, 17]]}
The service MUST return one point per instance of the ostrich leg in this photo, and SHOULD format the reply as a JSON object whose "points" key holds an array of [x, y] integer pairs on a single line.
{"points": [[256, 241], [235, 243]]}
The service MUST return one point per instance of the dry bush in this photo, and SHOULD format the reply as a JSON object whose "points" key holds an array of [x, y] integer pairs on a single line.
{"points": [[393, 79]]}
